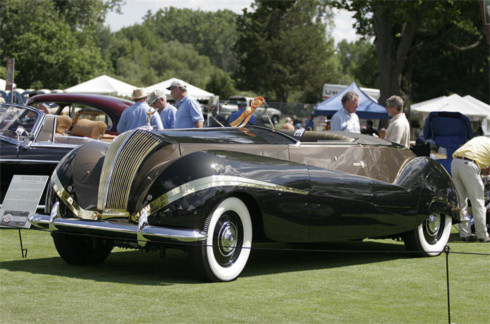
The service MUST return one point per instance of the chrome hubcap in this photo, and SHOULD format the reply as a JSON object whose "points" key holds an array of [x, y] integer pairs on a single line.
{"points": [[227, 239], [433, 224]]}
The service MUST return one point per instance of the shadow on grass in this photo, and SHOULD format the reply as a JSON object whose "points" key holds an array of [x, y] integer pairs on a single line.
{"points": [[300, 257], [147, 268], [454, 238]]}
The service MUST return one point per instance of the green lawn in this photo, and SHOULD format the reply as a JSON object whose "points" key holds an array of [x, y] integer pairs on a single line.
{"points": [[374, 282]]}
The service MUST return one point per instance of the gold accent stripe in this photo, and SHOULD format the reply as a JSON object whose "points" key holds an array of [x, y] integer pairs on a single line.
{"points": [[212, 182], [69, 202]]}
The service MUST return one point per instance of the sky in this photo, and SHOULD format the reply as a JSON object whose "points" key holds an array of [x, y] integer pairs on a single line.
{"points": [[135, 10]]}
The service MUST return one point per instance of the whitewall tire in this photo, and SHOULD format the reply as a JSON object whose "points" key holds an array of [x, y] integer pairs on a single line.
{"points": [[224, 254]]}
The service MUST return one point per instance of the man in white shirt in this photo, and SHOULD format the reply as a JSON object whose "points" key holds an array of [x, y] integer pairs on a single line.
{"points": [[399, 128], [346, 119]]}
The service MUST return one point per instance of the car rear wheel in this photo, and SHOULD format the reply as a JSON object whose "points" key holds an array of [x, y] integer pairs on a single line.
{"points": [[81, 250], [430, 237], [224, 254]]}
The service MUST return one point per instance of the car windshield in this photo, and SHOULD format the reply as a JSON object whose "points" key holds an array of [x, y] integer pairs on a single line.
{"points": [[16, 122]]}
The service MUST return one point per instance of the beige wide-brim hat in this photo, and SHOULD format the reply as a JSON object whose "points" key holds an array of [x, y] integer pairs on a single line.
{"points": [[139, 93]]}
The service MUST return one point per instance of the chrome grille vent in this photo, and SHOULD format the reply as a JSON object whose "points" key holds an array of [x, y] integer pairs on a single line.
{"points": [[121, 163]]}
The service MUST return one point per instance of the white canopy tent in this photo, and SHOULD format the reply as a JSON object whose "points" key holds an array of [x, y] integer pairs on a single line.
{"points": [[469, 106], [104, 85], [193, 91], [3, 84]]}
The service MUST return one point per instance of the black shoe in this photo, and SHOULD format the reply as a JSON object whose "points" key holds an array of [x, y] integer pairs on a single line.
{"points": [[471, 238], [485, 240]]}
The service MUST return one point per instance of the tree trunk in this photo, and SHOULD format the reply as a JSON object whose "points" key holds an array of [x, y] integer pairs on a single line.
{"points": [[392, 44]]}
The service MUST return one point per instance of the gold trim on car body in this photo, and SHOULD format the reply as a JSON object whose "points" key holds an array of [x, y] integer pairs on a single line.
{"points": [[211, 182], [168, 197], [69, 202]]}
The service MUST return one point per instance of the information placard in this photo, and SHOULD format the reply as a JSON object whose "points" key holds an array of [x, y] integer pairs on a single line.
{"points": [[21, 200]]}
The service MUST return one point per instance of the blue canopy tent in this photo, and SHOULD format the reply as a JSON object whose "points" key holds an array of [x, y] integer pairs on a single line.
{"points": [[368, 108]]}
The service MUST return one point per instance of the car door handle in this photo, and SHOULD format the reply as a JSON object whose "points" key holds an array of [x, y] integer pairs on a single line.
{"points": [[359, 164]]}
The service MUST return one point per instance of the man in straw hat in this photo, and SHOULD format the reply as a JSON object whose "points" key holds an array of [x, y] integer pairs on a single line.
{"points": [[189, 114], [167, 112], [136, 115]]}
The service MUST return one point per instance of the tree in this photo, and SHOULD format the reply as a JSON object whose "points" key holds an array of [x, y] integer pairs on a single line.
{"points": [[446, 68], [52, 40], [52, 58], [221, 84], [212, 34], [359, 61], [282, 47], [85, 14], [403, 28]]}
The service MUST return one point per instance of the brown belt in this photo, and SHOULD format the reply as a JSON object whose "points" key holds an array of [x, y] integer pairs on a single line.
{"points": [[464, 158]]}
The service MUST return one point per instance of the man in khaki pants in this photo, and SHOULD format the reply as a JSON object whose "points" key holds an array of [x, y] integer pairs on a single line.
{"points": [[469, 162]]}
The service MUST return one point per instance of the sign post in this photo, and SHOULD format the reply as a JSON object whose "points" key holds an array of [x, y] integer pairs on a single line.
{"points": [[10, 78]]}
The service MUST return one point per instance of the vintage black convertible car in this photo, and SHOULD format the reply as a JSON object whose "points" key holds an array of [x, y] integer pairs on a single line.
{"points": [[216, 191]]}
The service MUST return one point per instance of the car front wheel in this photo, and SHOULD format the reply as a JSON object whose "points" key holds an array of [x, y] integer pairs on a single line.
{"points": [[430, 237], [81, 250], [224, 254]]}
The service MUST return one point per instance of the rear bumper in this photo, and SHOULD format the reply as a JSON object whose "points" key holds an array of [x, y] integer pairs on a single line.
{"points": [[141, 232]]}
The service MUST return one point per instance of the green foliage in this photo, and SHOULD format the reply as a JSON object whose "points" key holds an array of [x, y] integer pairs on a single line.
{"points": [[359, 61], [404, 28], [221, 84], [278, 51], [52, 49], [282, 47], [212, 34], [452, 66]]}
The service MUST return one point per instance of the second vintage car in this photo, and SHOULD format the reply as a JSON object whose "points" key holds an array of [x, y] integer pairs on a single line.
{"points": [[215, 191], [106, 109]]}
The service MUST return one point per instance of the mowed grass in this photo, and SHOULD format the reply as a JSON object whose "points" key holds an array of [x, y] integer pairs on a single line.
{"points": [[370, 282]]}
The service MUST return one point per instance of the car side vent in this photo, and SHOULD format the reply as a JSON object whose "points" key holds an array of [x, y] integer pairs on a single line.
{"points": [[121, 163]]}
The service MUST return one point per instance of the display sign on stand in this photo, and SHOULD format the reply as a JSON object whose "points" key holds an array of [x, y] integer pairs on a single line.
{"points": [[21, 200]]}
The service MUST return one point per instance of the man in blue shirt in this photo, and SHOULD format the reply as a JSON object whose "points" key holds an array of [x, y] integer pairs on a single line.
{"points": [[242, 105], [137, 115], [346, 119], [165, 110], [189, 113]]}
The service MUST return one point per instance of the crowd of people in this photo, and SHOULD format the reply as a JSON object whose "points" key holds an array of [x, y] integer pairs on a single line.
{"points": [[154, 110]]}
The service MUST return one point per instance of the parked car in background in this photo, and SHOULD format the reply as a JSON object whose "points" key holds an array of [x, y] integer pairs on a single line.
{"points": [[215, 191], [33, 142], [262, 113], [106, 109]]}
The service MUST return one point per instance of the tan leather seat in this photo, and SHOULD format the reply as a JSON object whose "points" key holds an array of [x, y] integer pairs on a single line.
{"points": [[63, 123], [89, 128]]}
